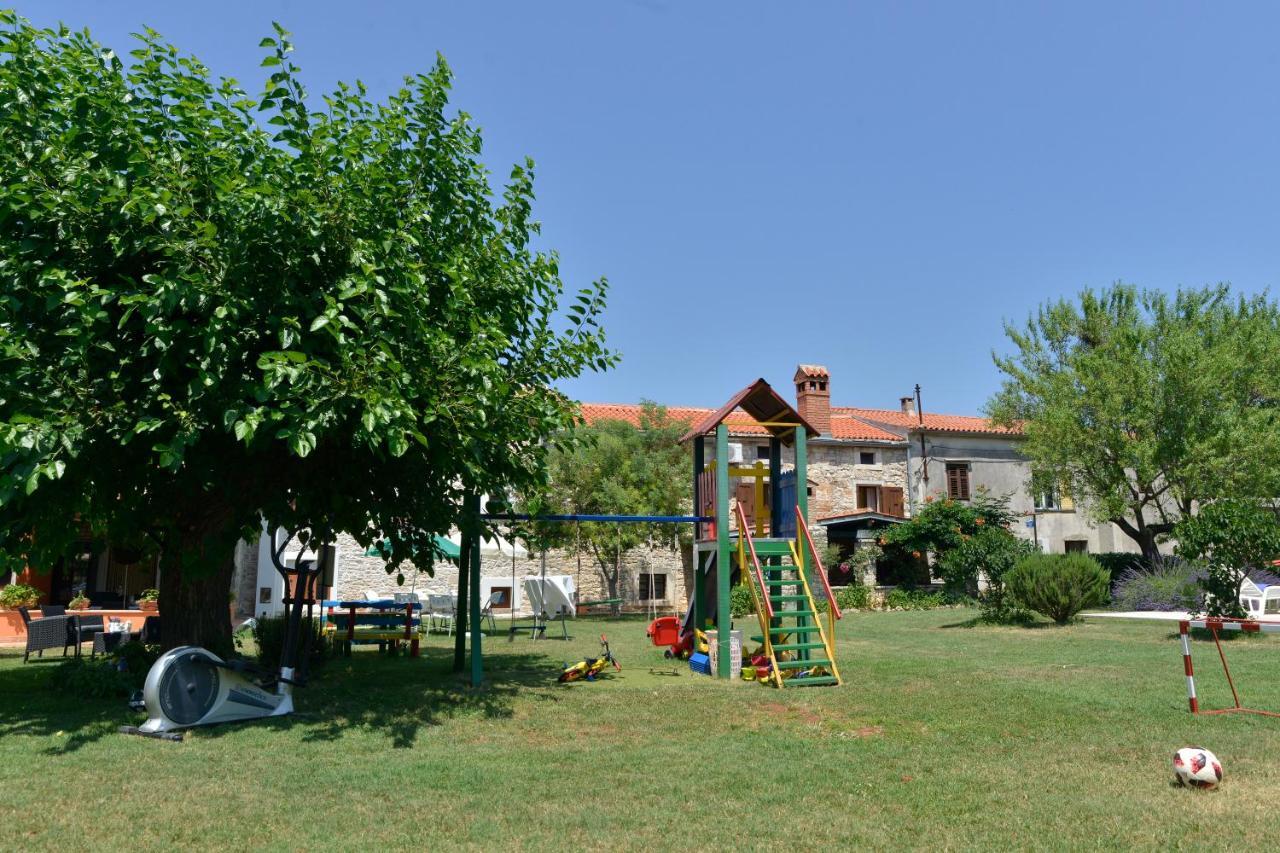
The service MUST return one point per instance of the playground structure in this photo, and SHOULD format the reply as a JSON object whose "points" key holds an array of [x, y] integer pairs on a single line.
{"points": [[1214, 625], [761, 540]]}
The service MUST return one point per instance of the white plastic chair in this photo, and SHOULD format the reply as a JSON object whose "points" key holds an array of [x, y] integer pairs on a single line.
{"points": [[441, 611]]}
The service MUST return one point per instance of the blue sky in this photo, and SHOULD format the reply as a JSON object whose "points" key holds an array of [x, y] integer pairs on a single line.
{"points": [[871, 186]]}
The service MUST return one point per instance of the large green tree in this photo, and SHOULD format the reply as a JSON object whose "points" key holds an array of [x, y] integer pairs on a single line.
{"points": [[1143, 404], [218, 308], [617, 468]]}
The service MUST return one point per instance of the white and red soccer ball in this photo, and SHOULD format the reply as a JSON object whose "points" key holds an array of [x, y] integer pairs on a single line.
{"points": [[1197, 767]]}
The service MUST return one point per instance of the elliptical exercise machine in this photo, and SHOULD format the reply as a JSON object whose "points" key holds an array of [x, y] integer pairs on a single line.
{"points": [[190, 686]]}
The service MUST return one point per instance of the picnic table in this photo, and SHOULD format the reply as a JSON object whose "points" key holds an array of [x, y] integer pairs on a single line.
{"points": [[380, 622]]}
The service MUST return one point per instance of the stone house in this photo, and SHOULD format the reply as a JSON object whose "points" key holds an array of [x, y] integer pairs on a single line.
{"points": [[868, 468]]}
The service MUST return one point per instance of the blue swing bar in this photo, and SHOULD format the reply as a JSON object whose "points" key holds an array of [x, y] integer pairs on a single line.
{"points": [[623, 519]]}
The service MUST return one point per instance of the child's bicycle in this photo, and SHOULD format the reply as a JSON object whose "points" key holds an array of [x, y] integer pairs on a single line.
{"points": [[591, 667]]}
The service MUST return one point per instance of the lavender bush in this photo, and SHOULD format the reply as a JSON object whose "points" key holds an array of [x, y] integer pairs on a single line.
{"points": [[1172, 586]]}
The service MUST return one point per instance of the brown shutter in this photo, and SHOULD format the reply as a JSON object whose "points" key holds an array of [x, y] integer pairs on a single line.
{"points": [[891, 501], [746, 495], [958, 482]]}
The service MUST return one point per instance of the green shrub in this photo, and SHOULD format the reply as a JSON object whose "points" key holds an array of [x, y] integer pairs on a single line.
{"points": [[268, 637], [1058, 585], [854, 597], [920, 599], [1234, 539], [740, 601], [17, 595], [149, 595], [118, 674]]}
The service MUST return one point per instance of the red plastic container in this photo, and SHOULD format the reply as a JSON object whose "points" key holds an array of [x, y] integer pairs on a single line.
{"points": [[664, 631]]}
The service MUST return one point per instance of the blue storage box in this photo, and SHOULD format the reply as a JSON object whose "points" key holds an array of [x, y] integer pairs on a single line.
{"points": [[699, 662]]}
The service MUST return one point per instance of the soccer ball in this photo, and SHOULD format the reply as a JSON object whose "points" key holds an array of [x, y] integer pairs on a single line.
{"points": [[1197, 767]]}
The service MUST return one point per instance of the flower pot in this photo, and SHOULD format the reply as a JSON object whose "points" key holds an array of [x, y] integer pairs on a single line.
{"points": [[149, 606]]}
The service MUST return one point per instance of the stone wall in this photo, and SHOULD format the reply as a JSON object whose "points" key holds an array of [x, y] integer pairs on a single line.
{"points": [[357, 574]]}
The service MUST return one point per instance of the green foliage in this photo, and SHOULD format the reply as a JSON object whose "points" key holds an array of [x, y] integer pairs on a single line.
{"points": [[1233, 539], [855, 596], [918, 599], [17, 595], [149, 595], [268, 640], [217, 305], [942, 527], [614, 468], [1143, 404], [80, 602], [1058, 585], [740, 601], [117, 674], [991, 552]]}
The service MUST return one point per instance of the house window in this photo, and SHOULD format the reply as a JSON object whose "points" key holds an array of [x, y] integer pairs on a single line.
{"points": [[958, 481], [653, 587], [1076, 546], [866, 457], [1047, 498], [869, 498], [762, 452]]}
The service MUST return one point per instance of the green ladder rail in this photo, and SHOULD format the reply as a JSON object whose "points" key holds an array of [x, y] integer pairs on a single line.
{"points": [[786, 633]]}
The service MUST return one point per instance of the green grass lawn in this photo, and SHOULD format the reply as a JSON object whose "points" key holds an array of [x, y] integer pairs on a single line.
{"points": [[944, 736]]}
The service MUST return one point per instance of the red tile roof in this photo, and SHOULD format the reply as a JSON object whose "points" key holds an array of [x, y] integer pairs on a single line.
{"points": [[845, 428], [897, 418]]}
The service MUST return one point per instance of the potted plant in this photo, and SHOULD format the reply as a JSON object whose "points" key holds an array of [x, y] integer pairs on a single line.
{"points": [[17, 595], [149, 600], [80, 602]]}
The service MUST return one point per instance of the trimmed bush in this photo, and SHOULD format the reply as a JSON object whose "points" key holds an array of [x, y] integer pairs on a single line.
{"points": [[1058, 585], [852, 597]]}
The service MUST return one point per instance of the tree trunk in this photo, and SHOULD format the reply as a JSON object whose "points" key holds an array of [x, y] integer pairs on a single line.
{"points": [[194, 584]]}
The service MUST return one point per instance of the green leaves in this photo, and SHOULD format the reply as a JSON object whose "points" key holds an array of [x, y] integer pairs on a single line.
{"points": [[1143, 404], [341, 324]]}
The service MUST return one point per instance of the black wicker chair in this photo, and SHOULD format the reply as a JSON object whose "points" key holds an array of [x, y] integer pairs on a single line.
{"points": [[84, 627], [47, 632]]}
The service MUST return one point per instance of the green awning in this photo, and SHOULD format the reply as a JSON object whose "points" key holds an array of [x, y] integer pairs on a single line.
{"points": [[443, 546]]}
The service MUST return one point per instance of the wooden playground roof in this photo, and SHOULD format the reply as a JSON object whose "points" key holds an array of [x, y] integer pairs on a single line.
{"points": [[763, 405]]}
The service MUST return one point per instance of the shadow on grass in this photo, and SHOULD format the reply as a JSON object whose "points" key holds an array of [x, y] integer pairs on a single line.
{"points": [[367, 692], [979, 622]]}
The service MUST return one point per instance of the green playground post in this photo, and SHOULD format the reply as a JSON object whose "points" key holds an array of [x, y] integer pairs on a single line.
{"points": [[724, 619], [477, 662]]}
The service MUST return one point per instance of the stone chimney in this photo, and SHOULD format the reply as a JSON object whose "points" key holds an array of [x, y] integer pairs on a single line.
{"points": [[813, 396], [908, 405]]}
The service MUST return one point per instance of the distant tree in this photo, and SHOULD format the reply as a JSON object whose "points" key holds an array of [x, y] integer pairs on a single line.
{"points": [[333, 324], [1143, 404], [616, 468], [1235, 540]]}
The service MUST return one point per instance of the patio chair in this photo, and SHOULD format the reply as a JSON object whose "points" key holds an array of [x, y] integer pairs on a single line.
{"points": [[495, 599], [150, 630], [440, 611], [53, 610], [84, 627], [47, 632]]}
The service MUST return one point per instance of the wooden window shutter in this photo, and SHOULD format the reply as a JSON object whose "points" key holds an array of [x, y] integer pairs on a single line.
{"points": [[891, 501], [1065, 502], [958, 482], [746, 495]]}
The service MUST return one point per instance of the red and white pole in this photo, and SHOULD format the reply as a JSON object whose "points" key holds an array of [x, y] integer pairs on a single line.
{"points": [[1183, 628]]}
